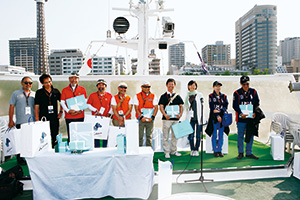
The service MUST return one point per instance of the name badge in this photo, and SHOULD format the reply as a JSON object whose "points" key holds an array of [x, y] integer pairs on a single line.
{"points": [[101, 111], [191, 113], [50, 109], [27, 110], [121, 112]]}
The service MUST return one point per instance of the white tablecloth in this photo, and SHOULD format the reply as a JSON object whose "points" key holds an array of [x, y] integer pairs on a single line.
{"points": [[93, 174]]}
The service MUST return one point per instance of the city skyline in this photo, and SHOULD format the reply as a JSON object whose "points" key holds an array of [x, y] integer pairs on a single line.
{"points": [[73, 24]]}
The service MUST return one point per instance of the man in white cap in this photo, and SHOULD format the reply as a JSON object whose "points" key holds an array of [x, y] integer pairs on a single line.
{"points": [[99, 104], [146, 107], [72, 90], [121, 105]]}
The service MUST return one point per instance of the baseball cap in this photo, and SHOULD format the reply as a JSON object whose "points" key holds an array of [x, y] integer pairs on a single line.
{"points": [[244, 79], [217, 83], [122, 84], [74, 74], [101, 81], [145, 83]]}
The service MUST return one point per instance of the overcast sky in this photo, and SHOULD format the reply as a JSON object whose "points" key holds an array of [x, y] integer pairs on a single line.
{"points": [[74, 23]]}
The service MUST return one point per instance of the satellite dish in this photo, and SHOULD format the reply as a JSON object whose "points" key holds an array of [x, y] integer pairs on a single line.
{"points": [[121, 25]]}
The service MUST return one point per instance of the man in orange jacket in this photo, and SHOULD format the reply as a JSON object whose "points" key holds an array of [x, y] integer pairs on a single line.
{"points": [[121, 105], [146, 107]]}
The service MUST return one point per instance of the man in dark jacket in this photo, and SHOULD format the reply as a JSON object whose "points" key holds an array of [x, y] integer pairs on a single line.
{"points": [[244, 96]]}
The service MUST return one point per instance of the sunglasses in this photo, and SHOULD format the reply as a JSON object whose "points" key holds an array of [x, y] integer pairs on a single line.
{"points": [[123, 87], [26, 83], [146, 86], [245, 83]]}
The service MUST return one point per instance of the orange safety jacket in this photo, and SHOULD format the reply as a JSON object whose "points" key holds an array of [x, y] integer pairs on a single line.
{"points": [[123, 106], [144, 102]]}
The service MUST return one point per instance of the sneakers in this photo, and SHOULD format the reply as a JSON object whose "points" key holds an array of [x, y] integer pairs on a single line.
{"points": [[240, 156], [216, 154], [194, 153], [252, 156], [167, 155], [176, 153]]}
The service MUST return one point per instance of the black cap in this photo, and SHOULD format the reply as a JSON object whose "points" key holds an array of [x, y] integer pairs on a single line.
{"points": [[244, 79], [217, 83]]}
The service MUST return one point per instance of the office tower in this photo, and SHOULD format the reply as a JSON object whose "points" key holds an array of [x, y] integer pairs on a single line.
{"points": [[289, 49], [43, 66], [24, 53], [154, 64], [176, 56], [217, 54], [56, 57], [256, 39]]}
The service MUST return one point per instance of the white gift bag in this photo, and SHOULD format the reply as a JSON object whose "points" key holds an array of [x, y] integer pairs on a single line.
{"points": [[164, 179], [100, 126], [113, 131], [277, 147], [35, 138], [82, 131], [208, 147], [11, 139], [296, 172], [132, 137]]}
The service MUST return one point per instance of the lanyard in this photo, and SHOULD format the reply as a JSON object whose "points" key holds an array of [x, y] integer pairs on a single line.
{"points": [[246, 94], [121, 101], [27, 97], [49, 95], [145, 99], [74, 90], [100, 98]]}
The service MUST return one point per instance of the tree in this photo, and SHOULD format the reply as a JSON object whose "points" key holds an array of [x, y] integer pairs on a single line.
{"points": [[256, 72], [226, 73]]}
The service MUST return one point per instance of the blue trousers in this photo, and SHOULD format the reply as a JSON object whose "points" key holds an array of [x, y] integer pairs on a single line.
{"points": [[217, 137], [241, 126], [191, 136]]}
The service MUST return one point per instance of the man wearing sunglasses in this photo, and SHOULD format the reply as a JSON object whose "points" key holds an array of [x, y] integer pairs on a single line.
{"points": [[244, 96], [121, 105], [23, 102], [146, 107]]}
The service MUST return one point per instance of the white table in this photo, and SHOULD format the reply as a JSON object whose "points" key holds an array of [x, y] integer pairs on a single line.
{"points": [[93, 174]]}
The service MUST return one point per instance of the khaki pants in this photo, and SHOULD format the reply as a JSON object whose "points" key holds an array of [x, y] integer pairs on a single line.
{"points": [[166, 129], [149, 130], [116, 122]]}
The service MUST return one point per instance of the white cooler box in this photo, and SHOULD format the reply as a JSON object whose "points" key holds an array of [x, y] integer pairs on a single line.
{"points": [[277, 147], [209, 148], [297, 165]]}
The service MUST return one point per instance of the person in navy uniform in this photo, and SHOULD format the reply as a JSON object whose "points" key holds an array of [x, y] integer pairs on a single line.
{"points": [[218, 105], [244, 96]]}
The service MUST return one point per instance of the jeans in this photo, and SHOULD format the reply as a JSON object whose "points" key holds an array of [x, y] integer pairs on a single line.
{"points": [[191, 136], [217, 137], [241, 126]]}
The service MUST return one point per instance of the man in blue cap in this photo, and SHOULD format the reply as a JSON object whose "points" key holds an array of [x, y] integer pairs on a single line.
{"points": [[244, 96]]}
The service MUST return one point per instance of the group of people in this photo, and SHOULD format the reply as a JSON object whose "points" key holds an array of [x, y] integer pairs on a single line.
{"points": [[44, 103]]}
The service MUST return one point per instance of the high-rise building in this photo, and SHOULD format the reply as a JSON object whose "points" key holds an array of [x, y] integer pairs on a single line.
{"points": [[100, 65], [56, 57], [256, 39], [43, 66], [24, 53], [176, 56], [154, 64], [289, 49], [217, 54]]}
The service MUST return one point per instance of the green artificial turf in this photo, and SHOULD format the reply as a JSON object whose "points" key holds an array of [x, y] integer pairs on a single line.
{"points": [[229, 160]]}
